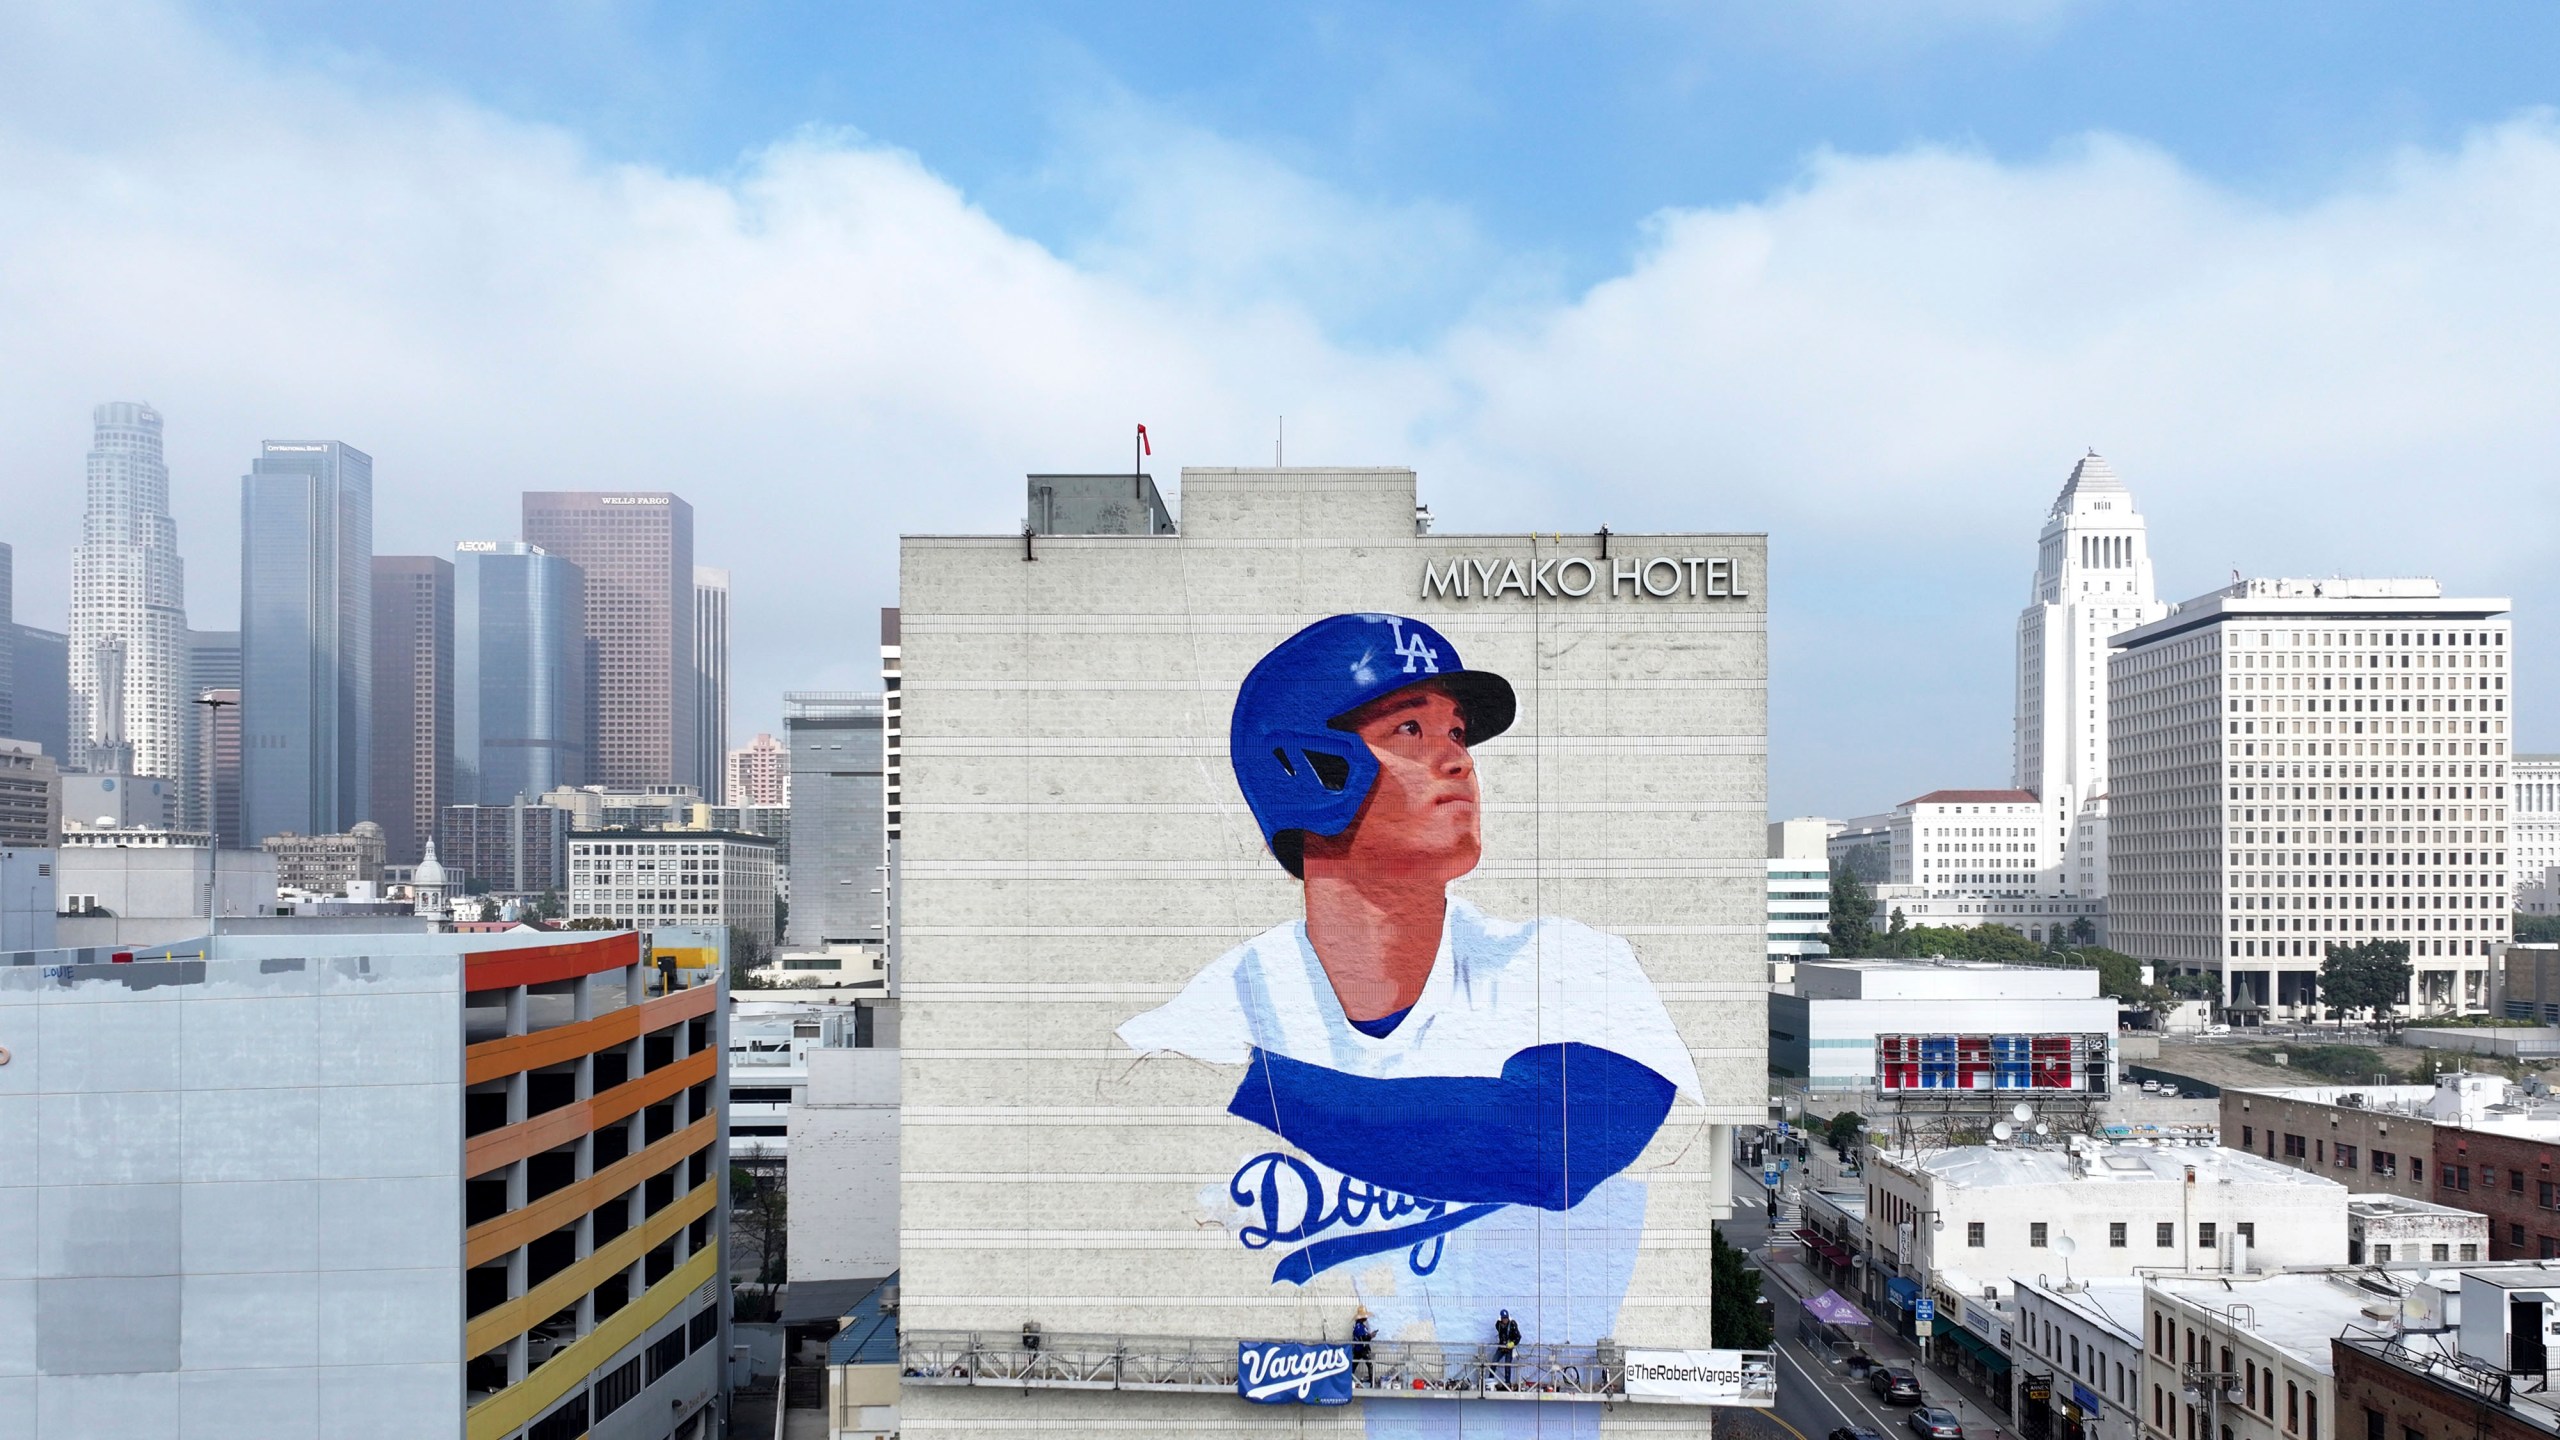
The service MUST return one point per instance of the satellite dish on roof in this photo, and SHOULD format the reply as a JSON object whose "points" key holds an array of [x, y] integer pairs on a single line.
{"points": [[2003, 1130], [2043, 1129], [2022, 1112], [2065, 1246]]}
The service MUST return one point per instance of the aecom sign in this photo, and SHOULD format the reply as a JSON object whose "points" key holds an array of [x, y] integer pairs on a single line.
{"points": [[1660, 577]]}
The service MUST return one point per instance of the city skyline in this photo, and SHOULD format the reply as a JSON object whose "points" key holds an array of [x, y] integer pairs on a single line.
{"points": [[845, 319]]}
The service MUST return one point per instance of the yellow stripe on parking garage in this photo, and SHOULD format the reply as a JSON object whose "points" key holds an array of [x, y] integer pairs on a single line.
{"points": [[500, 1323], [505, 1412]]}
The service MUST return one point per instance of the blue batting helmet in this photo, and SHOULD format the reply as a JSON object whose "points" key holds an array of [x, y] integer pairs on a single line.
{"points": [[1298, 770]]}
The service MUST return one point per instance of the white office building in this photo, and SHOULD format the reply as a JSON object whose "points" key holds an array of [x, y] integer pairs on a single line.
{"points": [[2534, 828], [1968, 1219], [1989, 857], [128, 606], [2093, 581], [704, 879], [2085, 1337], [2306, 763], [1862, 846], [1799, 895], [2004, 842], [2221, 1346]]}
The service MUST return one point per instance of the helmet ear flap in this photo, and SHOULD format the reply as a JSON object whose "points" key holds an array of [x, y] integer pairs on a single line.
{"points": [[1319, 779]]}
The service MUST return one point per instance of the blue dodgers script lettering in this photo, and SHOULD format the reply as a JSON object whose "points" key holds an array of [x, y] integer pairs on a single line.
{"points": [[1555, 1123], [1281, 1372], [1291, 1199]]}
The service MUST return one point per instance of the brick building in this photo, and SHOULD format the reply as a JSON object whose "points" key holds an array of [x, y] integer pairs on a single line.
{"points": [[2375, 1139], [2467, 1381]]}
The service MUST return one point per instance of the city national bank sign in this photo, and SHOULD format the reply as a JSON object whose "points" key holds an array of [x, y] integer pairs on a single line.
{"points": [[1575, 577]]}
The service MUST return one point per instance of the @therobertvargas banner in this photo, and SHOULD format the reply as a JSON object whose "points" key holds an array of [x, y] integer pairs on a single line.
{"points": [[1284, 1372], [1703, 1377]]}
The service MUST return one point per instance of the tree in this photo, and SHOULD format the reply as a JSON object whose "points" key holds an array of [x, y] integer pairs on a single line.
{"points": [[2369, 975], [1737, 1319], [1845, 1129], [1900, 922], [548, 906], [2083, 933], [2120, 975], [760, 1207], [2192, 985], [2537, 929], [1853, 911]]}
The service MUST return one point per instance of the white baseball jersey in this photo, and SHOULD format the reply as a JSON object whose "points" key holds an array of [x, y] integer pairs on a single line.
{"points": [[1497, 987], [1430, 1165]]}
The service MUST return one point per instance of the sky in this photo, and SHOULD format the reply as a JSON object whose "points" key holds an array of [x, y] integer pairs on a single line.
{"points": [[1868, 278]]}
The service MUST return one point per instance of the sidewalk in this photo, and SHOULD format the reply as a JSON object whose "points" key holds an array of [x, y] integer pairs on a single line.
{"points": [[1983, 1419]]}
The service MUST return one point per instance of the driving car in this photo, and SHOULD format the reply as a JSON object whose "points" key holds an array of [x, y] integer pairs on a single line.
{"points": [[1932, 1422], [1846, 1433], [1894, 1384]]}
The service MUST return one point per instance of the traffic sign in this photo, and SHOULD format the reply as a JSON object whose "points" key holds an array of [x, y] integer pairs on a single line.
{"points": [[1924, 1309], [1921, 1329]]}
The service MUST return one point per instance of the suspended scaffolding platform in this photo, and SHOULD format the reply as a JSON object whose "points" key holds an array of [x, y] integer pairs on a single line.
{"points": [[1536, 1373]]}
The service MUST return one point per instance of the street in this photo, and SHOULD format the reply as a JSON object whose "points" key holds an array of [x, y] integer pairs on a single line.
{"points": [[1813, 1400]]}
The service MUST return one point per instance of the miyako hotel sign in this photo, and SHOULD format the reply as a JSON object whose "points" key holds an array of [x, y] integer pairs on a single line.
{"points": [[1574, 577]]}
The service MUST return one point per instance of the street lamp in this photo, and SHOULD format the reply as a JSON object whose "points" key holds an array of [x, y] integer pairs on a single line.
{"points": [[213, 822]]}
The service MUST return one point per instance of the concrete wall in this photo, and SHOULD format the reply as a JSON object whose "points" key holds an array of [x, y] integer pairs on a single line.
{"points": [[1886, 980], [844, 1167], [1076, 851], [150, 882], [26, 899], [2296, 1224], [235, 1203]]}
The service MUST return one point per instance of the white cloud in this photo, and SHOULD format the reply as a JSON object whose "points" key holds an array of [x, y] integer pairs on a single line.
{"points": [[1890, 364]]}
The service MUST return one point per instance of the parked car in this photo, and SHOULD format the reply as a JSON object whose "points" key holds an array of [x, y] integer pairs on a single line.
{"points": [[2150, 1087], [1932, 1422], [2169, 1092], [1894, 1384], [1859, 1365]]}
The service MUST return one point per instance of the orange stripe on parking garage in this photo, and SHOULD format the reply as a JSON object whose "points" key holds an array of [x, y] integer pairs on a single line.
{"points": [[501, 1323], [490, 1239], [496, 1059], [511, 1143]]}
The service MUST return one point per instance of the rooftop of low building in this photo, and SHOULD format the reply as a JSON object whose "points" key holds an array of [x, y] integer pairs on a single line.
{"points": [[2088, 1162]]}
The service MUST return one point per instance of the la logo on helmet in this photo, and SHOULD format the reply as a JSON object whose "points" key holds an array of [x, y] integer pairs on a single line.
{"points": [[1415, 650]]}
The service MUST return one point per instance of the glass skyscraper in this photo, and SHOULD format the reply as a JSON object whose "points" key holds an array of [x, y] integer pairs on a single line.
{"points": [[412, 700], [838, 884], [524, 687], [711, 682], [213, 667], [306, 639], [636, 551]]}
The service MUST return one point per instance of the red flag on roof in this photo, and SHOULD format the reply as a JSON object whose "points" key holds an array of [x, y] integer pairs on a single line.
{"points": [[1142, 441]]}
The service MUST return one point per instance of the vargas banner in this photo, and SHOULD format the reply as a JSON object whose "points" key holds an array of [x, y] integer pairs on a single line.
{"points": [[1284, 1372], [1703, 1377]]}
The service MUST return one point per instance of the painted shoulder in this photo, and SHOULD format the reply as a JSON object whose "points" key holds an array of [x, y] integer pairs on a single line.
{"points": [[1217, 1016]]}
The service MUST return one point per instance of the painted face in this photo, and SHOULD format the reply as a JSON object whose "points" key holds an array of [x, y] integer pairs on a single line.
{"points": [[1421, 817]]}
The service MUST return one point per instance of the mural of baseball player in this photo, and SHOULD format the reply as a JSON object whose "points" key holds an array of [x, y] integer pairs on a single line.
{"points": [[1457, 1098]]}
